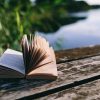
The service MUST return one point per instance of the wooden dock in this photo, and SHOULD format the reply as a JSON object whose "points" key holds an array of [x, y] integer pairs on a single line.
{"points": [[78, 79]]}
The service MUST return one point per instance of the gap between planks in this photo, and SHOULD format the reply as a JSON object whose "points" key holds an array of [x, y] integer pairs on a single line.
{"points": [[63, 87]]}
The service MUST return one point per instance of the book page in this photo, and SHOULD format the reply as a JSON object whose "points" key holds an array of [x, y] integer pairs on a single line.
{"points": [[13, 59], [47, 70], [39, 54], [50, 55]]}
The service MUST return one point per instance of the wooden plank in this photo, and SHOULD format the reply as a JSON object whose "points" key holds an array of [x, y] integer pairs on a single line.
{"points": [[89, 91], [63, 87], [68, 72], [77, 53]]}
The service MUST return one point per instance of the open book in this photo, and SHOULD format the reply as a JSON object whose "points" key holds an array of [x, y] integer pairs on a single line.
{"points": [[37, 60]]}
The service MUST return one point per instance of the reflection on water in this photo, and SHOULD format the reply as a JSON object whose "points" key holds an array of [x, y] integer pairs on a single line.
{"points": [[82, 33]]}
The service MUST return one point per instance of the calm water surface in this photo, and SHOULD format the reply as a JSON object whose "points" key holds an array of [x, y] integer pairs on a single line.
{"points": [[80, 34]]}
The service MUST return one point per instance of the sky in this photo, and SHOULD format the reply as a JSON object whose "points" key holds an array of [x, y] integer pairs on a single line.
{"points": [[92, 2]]}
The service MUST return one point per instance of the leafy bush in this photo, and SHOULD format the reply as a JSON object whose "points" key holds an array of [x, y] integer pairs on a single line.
{"points": [[13, 24]]}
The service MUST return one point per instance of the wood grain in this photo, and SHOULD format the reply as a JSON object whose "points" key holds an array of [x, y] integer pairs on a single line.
{"points": [[77, 65]]}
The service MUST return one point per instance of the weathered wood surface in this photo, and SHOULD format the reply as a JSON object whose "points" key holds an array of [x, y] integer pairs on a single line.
{"points": [[89, 91], [78, 53], [74, 65]]}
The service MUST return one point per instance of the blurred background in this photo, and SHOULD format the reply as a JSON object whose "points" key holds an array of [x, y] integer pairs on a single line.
{"points": [[64, 23]]}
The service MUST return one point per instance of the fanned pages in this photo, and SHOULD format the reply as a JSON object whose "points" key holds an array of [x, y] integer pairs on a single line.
{"points": [[47, 71], [37, 60], [36, 53]]}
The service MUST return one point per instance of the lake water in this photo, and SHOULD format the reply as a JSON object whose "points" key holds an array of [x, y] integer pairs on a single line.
{"points": [[80, 34]]}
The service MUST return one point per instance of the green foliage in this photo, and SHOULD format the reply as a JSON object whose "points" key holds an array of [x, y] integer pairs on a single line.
{"points": [[18, 17], [13, 24]]}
